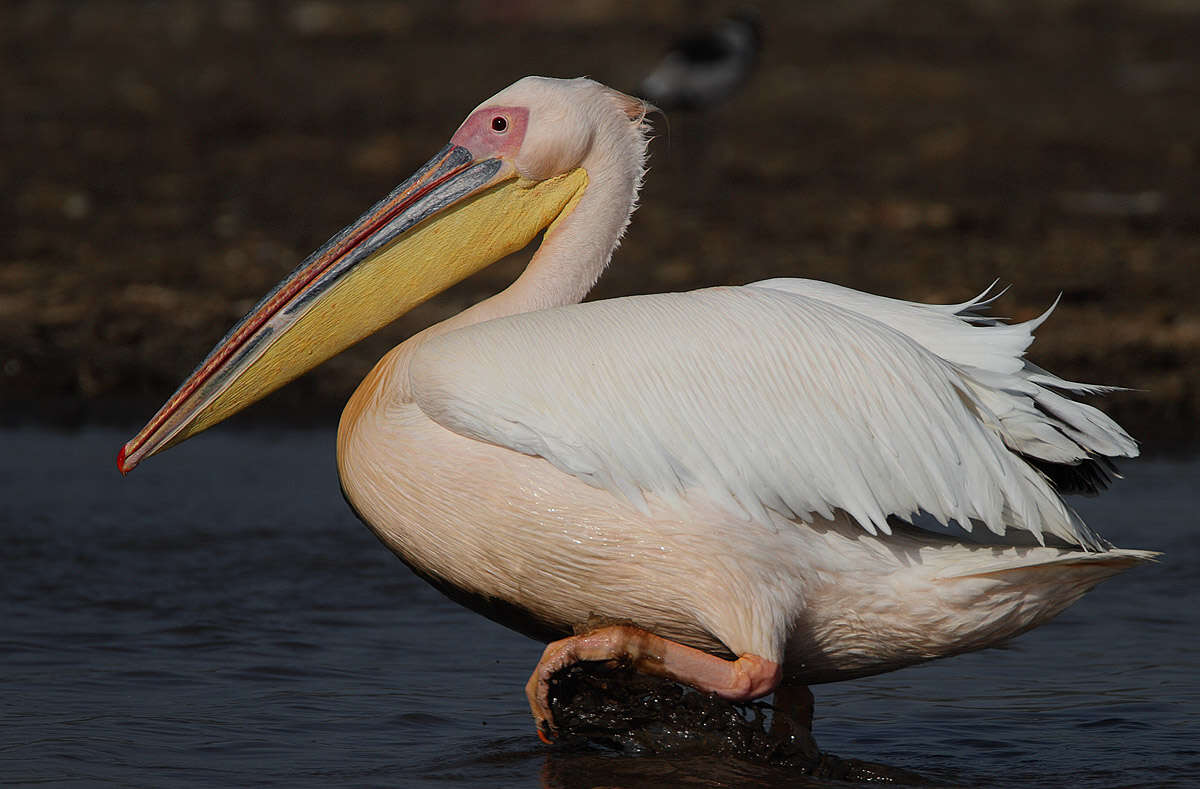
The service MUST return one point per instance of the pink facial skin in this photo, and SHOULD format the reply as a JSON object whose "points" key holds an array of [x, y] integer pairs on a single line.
{"points": [[493, 132]]}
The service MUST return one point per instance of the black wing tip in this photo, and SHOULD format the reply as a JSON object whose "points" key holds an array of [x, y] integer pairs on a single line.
{"points": [[1087, 477]]}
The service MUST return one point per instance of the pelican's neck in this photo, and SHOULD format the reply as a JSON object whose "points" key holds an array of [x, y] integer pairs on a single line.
{"points": [[573, 254], [574, 251]]}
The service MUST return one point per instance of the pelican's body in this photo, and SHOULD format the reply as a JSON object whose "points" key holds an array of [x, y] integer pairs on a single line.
{"points": [[722, 476], [509, 532], [506, 530]]}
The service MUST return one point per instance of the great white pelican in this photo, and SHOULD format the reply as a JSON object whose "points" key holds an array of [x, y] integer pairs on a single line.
{"points": [[717, 486]]}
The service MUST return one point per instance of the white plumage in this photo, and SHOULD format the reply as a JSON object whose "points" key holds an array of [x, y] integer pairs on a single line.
{"points": [[787, 395]]}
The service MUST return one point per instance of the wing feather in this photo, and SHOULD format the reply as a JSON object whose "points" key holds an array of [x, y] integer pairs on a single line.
{"points": [[1070, 443], [788, 396]]}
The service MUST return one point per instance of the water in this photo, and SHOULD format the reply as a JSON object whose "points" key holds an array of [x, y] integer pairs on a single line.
{"points": [[219, 618]]}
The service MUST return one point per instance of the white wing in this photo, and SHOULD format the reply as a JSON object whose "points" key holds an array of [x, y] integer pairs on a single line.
{"points": [[789, 395]]}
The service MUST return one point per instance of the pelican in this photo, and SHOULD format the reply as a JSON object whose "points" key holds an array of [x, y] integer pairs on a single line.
{"points": [[727, 487]]}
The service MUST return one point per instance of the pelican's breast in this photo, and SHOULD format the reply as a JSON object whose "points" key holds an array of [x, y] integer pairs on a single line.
{"points": [[519, 541]]}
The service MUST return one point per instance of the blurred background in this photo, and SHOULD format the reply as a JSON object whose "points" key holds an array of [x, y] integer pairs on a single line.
{"points": [[162, 164]]}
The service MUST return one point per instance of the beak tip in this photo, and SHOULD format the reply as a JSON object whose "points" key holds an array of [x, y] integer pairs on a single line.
{"points": [[121, 462]]}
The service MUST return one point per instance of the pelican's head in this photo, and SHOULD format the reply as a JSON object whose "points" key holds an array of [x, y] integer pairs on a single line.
{"points": [[514, 167], [546, 127]]}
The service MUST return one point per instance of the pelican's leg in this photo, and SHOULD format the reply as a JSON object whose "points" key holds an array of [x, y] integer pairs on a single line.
{"points": [[794, 716], [796, 704], [748, 677]]}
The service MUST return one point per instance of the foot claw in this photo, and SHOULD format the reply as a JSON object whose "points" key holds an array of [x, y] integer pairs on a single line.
{"points": [[537, 690]]}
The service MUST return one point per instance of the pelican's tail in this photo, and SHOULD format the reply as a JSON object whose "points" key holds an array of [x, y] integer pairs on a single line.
{"points": [[913, 597], [1003, 592], [1062, 564]]}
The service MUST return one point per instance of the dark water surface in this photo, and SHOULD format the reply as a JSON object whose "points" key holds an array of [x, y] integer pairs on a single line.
{"points": [[219, 618]]}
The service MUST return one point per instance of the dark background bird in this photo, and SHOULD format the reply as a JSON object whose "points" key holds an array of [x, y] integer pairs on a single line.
{"points": [[706, 67]]}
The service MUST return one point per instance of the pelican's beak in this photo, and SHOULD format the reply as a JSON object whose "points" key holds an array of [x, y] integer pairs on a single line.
{"points": [[455, 216]]}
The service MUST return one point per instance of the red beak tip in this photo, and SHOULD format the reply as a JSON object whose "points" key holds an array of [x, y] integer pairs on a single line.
{"points": [[121, 462]]}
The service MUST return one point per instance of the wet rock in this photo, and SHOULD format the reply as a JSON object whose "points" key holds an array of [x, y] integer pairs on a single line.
{"points": [[613, 707]]}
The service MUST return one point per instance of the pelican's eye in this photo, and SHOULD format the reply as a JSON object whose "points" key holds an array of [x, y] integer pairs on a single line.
{"points": [[500, 124]]}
